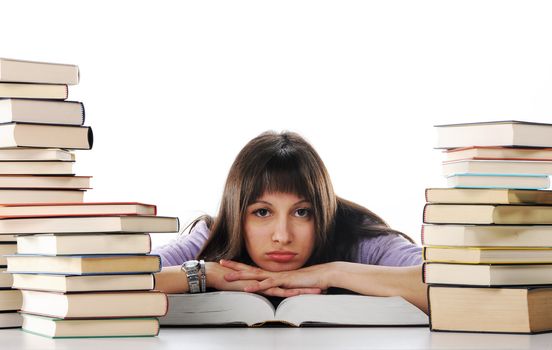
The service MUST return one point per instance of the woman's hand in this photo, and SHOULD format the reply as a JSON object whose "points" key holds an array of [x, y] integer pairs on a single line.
{"points": [[216, 279], [309, 280]]}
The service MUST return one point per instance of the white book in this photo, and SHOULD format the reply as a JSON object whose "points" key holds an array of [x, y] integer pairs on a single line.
{"points": [[497, 167], [499, 133], [41, 111], [487, 235], [219, 308], [92, 283], [12, 70], [45, 182], [498, 181], [36, 168], [48, 244], [29, 154], [46, 91]]}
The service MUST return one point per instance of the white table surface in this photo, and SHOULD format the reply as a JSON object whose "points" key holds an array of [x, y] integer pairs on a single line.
{"points": [[284, 338]]}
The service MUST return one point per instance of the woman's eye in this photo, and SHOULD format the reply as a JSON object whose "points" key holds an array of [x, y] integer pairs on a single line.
{"points": [[261, 212], [303, 212]]}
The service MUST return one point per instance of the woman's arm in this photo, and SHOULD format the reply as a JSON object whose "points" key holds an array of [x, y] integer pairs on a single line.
{"points": [[404, 281], [173, 280]]}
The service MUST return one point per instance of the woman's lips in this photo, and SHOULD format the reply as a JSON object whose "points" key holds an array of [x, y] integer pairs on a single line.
{"points": [[281, 256]]}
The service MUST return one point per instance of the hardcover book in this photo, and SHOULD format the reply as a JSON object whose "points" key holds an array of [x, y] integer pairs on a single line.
{"points": [[34, 91], [488, 255], [68, 244], [89, 283], [222, 308], [488, 214], [21, 71], [487, 196], [487, 235], [499, 153], [487, 275], [90, 224], [500, 133], [94, 304], [504, 310], [114, 327], [84, 265], [76, 209], [45, 136], [41, 111]]}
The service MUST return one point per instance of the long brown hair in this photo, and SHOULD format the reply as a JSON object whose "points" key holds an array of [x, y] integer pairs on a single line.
{"points": [[285, 162]]}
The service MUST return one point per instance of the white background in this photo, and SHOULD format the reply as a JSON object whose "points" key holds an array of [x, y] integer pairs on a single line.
{"points": [[173, 90]]}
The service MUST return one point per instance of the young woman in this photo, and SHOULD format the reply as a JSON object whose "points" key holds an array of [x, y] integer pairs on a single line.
{"points": [[282, 231]]}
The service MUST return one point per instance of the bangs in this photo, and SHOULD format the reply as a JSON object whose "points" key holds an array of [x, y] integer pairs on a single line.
{"points": [[285, 175]]}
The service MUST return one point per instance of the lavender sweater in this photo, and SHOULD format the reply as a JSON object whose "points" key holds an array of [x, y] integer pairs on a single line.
{"points": [[386, 250]]}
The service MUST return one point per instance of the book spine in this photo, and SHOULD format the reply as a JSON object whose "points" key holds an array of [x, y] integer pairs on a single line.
{"points": [[423, 234], [66, 92], [424, 253], [427, 194], [424, 272]]}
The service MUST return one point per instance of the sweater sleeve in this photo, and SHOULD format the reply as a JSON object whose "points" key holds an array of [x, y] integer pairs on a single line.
{"points": [[184, 247], [389, 250]]}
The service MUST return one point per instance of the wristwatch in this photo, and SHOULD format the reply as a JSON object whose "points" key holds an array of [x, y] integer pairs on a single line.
{"points": [[191, 267]]}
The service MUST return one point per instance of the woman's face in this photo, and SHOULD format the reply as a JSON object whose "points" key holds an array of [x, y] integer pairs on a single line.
{"points": [[279, 231]]}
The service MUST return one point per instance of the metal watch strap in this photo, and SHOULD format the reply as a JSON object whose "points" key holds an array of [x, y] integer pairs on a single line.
{"points": [[203, 283], [192, 268]]}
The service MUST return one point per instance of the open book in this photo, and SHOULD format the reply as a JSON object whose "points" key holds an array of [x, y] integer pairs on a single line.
{"points": [[222, 308]]}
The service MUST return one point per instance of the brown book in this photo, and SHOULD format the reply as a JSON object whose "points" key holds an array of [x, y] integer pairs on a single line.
{"points": [[487, 275], [85, 264], [504, 310], [90, 224], [95, 304], [34, 91], [488, 214], [12, 70], [41, 111], [76, 209], [116, 327], [487, 235]]}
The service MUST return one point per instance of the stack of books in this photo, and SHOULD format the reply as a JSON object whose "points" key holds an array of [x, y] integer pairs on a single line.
{"points": [[37, 127], [79, 269], [488, 239], [85, 271]]}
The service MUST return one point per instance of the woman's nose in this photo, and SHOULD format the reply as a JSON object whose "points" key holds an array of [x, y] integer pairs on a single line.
{"points": [[282, 233]]}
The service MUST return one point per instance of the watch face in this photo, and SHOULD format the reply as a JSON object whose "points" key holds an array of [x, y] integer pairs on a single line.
{"points": [[191, 264]]}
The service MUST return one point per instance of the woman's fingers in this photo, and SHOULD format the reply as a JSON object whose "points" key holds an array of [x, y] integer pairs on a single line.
{"points": [[286, 293], [234, 265], [254, 274]]}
